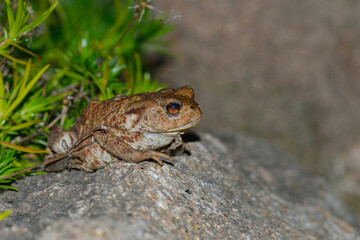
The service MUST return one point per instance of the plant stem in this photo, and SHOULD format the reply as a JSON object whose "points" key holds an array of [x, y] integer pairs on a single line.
{"points": [[136, 17]]}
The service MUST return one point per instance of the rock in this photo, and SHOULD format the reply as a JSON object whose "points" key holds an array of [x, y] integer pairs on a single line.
{"points": [[345, 178], [231, 187]]}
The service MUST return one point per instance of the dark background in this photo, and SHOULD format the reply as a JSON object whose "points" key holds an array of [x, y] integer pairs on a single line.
{"points": [[286, 71]]}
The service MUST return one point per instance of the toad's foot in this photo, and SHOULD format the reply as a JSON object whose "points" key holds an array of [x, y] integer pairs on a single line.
{"points": [[157, 157]]}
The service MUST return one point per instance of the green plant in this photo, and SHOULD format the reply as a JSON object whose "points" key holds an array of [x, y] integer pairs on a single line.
{"points": [[21, 102], [88, 50], [17, 27]]}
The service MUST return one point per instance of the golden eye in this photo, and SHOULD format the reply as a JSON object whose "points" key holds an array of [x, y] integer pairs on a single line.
{"points": [[173, 108]]}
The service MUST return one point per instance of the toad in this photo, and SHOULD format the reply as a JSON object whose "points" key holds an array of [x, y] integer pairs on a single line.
{"points": [[132, 128]]}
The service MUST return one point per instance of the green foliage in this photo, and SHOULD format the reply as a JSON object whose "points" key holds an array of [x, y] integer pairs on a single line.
{"points": [[21, 102], [17, 26], [11, 100], [88, 50], [8, 165], [20, 107]]}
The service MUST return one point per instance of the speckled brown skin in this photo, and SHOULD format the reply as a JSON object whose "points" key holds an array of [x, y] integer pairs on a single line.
{"points": [[131, 128]]}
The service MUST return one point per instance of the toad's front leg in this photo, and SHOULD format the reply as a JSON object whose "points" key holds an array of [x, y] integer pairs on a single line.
{"points": [[114, 145], [178, 142]]}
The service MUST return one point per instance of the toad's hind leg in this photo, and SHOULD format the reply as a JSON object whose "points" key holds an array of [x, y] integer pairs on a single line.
{"points": [[122, 150]]}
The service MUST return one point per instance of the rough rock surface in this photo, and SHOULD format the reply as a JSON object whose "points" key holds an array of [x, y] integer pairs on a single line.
{"points": [[231, 187]]}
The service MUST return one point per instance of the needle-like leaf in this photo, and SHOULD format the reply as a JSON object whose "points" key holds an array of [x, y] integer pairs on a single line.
{"points": [[22, 94], [23, 149], [40, 19]]}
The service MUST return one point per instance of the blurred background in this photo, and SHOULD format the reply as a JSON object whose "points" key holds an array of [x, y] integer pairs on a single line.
{"points": [[286, 71]]}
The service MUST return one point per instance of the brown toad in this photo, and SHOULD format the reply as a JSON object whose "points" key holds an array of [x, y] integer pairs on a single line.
{"points": [[125, 127]]}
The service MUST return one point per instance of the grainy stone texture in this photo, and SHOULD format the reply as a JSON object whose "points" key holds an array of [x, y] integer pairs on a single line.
{"points": [[231, 187]]}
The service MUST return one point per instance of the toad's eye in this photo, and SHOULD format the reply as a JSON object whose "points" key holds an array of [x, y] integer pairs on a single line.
{"points": [[173, 108]]}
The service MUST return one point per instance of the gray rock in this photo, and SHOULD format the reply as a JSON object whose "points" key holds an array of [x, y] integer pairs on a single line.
{"points": [[231, 187]]}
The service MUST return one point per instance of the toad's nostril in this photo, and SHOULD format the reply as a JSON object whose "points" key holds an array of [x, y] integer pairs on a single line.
{"points": [[192, 107]]}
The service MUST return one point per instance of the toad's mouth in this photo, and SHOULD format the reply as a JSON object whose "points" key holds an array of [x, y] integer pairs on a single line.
{"points": [[186, 126]]}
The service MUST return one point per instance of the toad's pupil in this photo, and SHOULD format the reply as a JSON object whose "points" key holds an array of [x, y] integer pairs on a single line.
{"points": [[173, 108]]}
